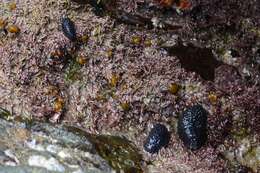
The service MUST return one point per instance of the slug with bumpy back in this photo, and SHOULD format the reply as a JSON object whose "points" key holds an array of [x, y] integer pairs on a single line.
{"points": [[192, 127], [69, 29], [158, 137]]}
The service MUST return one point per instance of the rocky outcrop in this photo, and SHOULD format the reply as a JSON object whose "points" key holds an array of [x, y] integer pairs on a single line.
{"points": [[41, 148]]}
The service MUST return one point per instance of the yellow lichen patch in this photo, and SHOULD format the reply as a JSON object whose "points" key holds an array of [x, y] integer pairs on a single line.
{"points": [[58, 104], [81, 60], [114, 80], [125, 106], [174, 88], [109, 53], [212, 98], [136, 40], [13, 29], [12, 6], [2, 23], [148, 43], [84, 38]]}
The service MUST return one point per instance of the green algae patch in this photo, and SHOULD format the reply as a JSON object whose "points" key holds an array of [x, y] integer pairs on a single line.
{"points": [[117, 151], [5, 114], [72, 72]]}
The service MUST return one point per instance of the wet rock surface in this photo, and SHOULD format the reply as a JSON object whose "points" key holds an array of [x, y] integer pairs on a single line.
{"points": [[40, 148]]}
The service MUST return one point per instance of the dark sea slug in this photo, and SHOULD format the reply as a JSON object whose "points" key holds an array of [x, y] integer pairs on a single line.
{"points": [[192, 127], [158, 137], [68, 29]]}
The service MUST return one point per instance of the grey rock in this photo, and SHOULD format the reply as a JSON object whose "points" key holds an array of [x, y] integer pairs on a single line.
{"points": [[45, 148]]}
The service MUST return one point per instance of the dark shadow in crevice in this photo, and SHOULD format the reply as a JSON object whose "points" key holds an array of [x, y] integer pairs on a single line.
{"points": [[196, 59]]}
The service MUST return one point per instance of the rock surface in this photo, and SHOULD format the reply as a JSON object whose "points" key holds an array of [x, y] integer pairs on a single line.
{"points": [[42, 148]]}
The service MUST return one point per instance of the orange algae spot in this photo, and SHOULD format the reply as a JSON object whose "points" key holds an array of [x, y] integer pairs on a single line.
{"points": [[125, 106], [82, 60], [166, 3], [212, 98], [174, 88], [184, 4], [13, 29], [58, 104], [2, 23]]}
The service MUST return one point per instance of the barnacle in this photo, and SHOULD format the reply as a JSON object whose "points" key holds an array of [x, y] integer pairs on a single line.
{"points": [[68, 29], [13, 29], [192, 127], [158, 137], [174, 88]]}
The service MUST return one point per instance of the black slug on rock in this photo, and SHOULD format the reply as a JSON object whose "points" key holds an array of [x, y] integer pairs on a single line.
{"points": [[68, 29], [192, 127], [158, 137]]}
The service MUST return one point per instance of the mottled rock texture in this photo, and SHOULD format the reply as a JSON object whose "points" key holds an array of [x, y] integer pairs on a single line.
{"points": [[42, 148]]}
